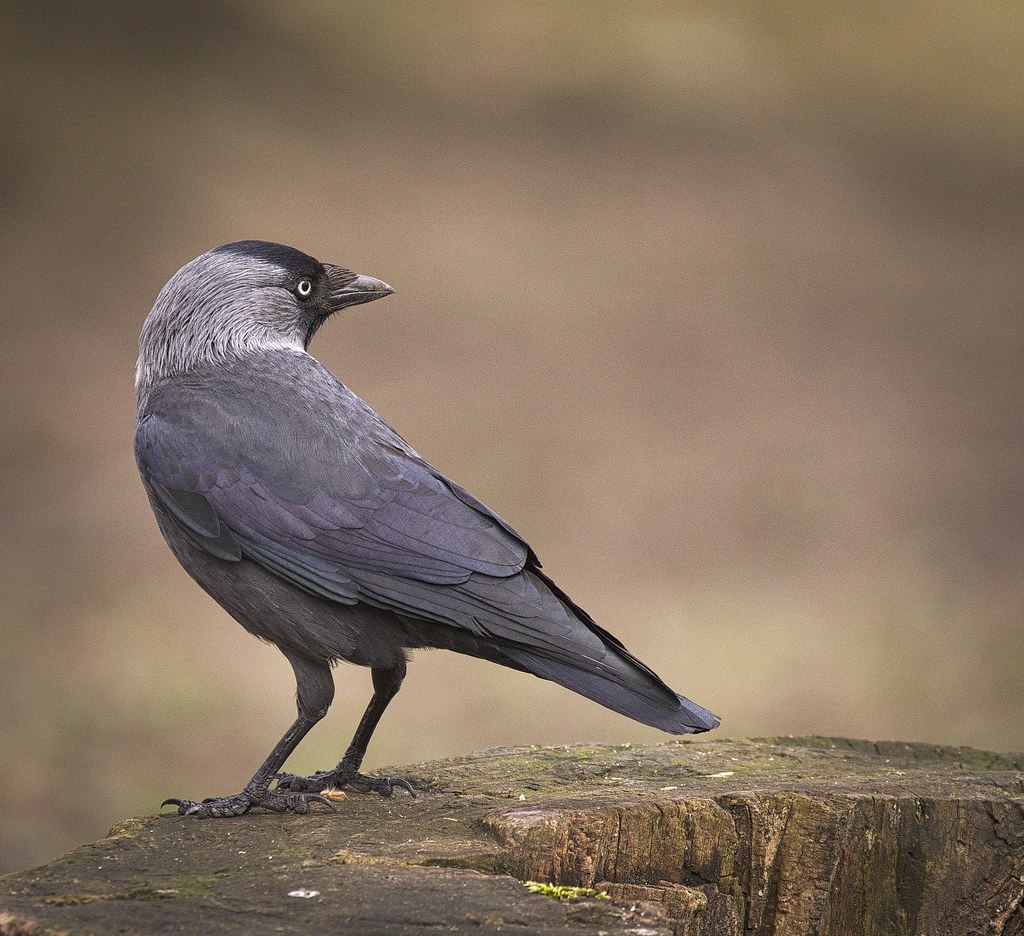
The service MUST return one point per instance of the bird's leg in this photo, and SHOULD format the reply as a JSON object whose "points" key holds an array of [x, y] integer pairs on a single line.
{"points": [[315, 691], [386, 683]]}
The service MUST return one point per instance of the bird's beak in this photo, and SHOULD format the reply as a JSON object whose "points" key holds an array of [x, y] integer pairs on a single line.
{"points": [[348, 289]]}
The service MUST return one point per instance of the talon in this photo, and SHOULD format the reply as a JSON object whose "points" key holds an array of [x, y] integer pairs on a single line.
{"points": [[186, 807], [382, 786], [405, 785], [295, 802], [317, 798], [385, 786]]}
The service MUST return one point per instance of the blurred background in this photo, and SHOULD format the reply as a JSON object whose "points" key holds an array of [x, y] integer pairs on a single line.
{"points": [[720, 305]]}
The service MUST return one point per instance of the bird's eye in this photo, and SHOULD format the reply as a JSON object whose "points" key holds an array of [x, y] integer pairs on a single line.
{"points": [[304, 288]]}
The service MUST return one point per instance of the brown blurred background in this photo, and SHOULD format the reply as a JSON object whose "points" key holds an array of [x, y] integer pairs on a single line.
{"points": [[721, 306]]}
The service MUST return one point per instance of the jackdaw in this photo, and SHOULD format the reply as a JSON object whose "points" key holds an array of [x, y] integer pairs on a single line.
{"points": [[319, 529]]}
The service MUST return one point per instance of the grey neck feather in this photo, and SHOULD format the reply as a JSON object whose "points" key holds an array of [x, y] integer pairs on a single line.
{"points": [[214, 309]]}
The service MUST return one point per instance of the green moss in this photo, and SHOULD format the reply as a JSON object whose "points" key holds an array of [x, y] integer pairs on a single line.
{"points": [[562, 892]]}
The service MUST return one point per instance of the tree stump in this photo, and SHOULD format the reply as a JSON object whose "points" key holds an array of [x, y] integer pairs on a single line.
{"points": [[697, 838]]}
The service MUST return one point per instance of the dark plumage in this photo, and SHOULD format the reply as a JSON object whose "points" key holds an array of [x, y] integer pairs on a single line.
{"points": [[316, 526]]}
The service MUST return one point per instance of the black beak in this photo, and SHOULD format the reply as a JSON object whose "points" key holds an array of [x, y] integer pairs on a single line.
{"points": [[346, 288]]}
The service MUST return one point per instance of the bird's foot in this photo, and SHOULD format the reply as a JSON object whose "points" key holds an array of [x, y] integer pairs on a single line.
{"points": [[221, 806], [338, 778], [385, 786]]}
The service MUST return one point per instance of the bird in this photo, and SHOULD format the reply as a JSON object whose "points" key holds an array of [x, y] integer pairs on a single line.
{"points": [[317, 527]]}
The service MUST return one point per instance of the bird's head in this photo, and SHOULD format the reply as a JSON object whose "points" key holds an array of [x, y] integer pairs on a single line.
{"points": [[244, 298]]}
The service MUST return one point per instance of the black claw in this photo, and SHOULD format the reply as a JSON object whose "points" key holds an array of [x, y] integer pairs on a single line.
{"points": [[185, 806], [317, 798], [405, 785], [383, 786]]}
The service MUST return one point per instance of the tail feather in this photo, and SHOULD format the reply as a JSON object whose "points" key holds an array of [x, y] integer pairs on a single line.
{"points": [[659, 709], [619, 681]]}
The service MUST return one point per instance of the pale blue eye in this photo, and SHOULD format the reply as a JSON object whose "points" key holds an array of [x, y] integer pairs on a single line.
{"points": [[304, 288]]}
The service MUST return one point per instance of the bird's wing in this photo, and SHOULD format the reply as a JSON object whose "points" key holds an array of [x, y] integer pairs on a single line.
{"points": [[377, 510]]}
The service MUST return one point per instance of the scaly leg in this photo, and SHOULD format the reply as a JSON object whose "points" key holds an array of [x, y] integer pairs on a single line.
{"points": [[315, 692], [386, 683]]}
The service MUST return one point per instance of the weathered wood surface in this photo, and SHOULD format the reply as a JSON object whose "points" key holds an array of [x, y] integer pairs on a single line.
{"points": [[700, 838]]}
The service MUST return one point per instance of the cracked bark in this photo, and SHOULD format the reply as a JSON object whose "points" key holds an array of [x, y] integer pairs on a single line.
{"points": [[696, 838]]}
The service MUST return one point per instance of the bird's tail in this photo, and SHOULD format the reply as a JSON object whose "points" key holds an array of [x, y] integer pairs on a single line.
{"points": [[630, 693], [618, 680]]}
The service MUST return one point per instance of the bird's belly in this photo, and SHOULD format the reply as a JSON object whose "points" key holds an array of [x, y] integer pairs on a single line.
{"points": [[274, 610]]}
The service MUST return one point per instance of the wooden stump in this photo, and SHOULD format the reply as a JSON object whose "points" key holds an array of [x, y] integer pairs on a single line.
{"points": [[702, 838]]}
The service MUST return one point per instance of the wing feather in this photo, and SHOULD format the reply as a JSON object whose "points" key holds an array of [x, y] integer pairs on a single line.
{"points": [[409, 524]]}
